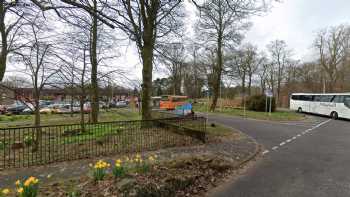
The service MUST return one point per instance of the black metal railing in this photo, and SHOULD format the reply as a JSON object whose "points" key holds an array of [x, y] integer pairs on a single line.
{"points": [[29, 146]]}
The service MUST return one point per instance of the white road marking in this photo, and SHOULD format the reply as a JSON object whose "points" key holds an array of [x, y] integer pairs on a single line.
{"points": [[299, 135]]}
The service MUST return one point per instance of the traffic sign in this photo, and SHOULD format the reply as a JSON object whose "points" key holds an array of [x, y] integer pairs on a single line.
{"points": [[268, 93]]}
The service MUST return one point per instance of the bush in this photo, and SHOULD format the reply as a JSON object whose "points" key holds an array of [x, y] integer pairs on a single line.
{"points": [[258, 103]]}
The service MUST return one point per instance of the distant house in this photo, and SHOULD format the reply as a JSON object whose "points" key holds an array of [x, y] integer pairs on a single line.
{"points": [[7, 95], [46, 94]]}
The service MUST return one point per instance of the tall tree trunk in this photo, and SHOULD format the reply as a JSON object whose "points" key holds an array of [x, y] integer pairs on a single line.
{"points": [[243, 87], [278, 92], [217, 74], [37, 121], [3, 53], [250, 85], [93, 59], [82, 115], [83, 93], [147, 57]]}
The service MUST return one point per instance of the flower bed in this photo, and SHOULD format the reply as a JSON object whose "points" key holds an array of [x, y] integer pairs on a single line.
{"points": [[137, 176]]}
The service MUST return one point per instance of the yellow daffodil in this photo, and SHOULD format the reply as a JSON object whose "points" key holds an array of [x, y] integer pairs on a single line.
{"points": [[138, 156], [5, 191], [101, 164], [18, 182], [27, 183], [151, 158], [117, 165], [20, 190], [35, 181], [118, 161]]}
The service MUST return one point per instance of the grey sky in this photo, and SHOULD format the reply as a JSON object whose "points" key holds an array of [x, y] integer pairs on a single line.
{"points": [[296, 22]]}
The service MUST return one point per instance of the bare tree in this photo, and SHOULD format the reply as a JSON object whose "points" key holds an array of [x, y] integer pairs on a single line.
{"points": [[145, 22], [173, 56], [236, 66], [37, 56], [252, 63], [11, 21], [220, 23], [332, 46], [280, 56], [263, 71], [99, 40]]}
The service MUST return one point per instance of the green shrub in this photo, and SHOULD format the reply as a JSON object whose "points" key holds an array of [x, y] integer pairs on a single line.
{"points": [[258, 103], [28, 140]]}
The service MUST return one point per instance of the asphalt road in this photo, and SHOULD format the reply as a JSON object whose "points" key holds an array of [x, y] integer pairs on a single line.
{"points": [[301, 159]]}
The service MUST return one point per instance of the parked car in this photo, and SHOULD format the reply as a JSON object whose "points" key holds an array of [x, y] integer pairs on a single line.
{"points": [[16, 108], [29, 108], [121, 104], [2, 109], [103, 105]]}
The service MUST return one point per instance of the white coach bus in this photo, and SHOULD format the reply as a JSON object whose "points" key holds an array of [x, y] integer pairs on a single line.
{"points": [[335, 105]]}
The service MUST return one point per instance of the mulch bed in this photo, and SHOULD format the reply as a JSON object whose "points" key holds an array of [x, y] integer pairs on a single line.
{"points": [[181, 177], [181, 171]]}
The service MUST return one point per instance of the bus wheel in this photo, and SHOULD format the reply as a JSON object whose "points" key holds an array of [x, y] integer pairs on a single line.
{"points": [[300, 110], [334, 115]]}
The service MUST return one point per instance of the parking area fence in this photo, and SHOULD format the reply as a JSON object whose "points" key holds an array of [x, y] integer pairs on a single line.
{"points": [[30, 146]]}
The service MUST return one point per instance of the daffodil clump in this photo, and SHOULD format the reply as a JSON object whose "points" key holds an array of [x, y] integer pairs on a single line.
{"points": [[119, 169], [27, 188], [99, 170], [5, 192], [143, 165]]}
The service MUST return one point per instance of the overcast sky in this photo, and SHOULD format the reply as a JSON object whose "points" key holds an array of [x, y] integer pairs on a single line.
{"points": [[296, 22]]}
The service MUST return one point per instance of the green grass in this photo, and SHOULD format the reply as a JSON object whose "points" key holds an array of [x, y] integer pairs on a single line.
{"points": [[218, 130], [58, 119], [275, 116], [94, 132]]}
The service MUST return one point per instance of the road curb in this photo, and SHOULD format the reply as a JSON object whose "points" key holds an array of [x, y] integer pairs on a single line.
{"points": [[253, 155], [236, 168]]}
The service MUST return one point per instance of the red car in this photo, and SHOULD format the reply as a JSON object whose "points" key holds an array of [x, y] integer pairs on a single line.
{"points": [[2, 109]]}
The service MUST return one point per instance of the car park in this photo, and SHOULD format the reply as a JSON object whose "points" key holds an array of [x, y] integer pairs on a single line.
{"points": [[121, 104]]}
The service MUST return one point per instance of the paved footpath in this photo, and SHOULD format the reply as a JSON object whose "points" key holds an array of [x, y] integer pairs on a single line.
{"points": [[301, 159]]}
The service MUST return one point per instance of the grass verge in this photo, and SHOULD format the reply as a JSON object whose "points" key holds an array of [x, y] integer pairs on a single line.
{"points": [[275, 116], [58, 119]]}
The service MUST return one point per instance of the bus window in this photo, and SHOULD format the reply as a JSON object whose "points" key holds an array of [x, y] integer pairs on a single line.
{"points": [[295, 97], [326, 98], [317, 98], [338, 99], [308, 98], [347, 101], [165, 98], [179, 99]]}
